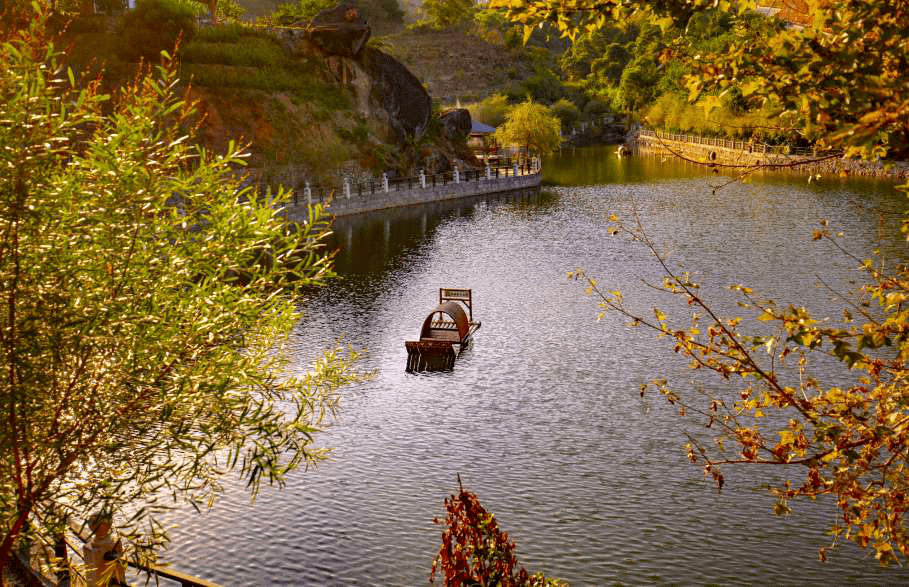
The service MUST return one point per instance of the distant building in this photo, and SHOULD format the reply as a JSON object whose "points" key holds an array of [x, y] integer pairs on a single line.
{"points": [[482, 140]]}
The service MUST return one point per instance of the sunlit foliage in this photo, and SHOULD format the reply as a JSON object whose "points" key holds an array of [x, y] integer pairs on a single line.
{"points": [[841, 79], [443, 14], [147, 299], [530, 126]]}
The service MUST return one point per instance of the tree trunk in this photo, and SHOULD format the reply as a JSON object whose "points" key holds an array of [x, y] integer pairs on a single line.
{"points": [[6, 547]]}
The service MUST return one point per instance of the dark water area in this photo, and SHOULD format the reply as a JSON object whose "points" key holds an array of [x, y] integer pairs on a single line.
{"points": [[542, 416]]}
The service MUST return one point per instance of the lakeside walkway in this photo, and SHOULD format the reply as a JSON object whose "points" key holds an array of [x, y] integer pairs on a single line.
{"points": [[356, 197], [744, 155]]}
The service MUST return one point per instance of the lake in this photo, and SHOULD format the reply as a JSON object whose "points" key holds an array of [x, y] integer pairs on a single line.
{"points": [[542, 416]]}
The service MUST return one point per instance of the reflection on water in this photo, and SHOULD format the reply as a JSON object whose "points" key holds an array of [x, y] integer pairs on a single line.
{"points": [[542, 417]]}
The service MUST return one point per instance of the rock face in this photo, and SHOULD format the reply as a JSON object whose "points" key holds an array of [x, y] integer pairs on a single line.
{"points": [[456, 123], [339, 31], [392, 100], [396, 95]]}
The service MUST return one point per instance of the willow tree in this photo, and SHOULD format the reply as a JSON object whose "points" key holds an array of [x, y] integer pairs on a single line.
{"points": [[147, 298], [843, 81], [531, 126]]}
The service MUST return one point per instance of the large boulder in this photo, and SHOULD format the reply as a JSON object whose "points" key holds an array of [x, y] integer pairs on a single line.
{"points": [[339, 31], [392, 100], [456, 123], [398, 94]]}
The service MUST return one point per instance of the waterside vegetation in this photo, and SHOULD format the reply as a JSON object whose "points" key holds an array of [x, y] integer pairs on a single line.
{"points": [[847, 443], [148, 297]]}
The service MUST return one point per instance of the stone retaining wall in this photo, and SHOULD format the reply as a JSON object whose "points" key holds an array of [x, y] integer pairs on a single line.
{"points": [[727, 156], [341, 205]]}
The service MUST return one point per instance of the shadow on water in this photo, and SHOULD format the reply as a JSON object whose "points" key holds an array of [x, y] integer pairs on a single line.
{"points": [[367, 243]]}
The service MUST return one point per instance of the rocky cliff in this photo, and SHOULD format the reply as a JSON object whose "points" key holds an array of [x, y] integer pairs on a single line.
{"points": [[395, 106]]}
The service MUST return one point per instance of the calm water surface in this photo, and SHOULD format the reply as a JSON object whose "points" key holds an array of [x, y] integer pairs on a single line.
{"points": [[542, 417]]}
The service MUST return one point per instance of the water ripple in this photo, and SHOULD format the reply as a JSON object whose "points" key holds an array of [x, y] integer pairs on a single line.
{"points": [[542, 417]]}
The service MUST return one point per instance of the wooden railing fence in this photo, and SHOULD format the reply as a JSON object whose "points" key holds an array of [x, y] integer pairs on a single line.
{"points": [[184, 579]]}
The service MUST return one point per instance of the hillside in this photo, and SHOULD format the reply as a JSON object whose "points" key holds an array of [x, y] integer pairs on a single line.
{"points": [[384, 16], [458, 66], [306, 115], [248, 89]]}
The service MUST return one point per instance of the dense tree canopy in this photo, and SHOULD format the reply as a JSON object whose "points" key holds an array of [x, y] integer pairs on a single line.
{"points": [[841, 80], [146, 297]]}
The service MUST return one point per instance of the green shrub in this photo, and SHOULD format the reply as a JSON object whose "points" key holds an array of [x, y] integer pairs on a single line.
{"points": [[301, 11], [445, 14], [567, 112], [249, 51], [596, 107], [544, 86], [673, 113], [230, 32], [155, 26], [230, 10]]}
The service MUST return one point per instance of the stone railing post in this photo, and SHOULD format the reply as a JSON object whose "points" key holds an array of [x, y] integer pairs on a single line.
{"points": [[515, 169], [308, 191], [423, 178], [488, 172], [347, 187], [385, 182], [457, 175]]}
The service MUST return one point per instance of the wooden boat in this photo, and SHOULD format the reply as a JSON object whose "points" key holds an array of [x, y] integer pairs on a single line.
{"points": [[447, 331]]}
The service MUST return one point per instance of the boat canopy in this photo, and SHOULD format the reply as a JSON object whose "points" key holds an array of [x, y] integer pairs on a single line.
{"points": [[457, 314]]}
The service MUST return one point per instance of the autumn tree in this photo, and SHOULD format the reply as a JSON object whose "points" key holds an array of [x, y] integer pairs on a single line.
{"points": [[531, 126], [475, 551], [842, 81], [147, 299]]}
